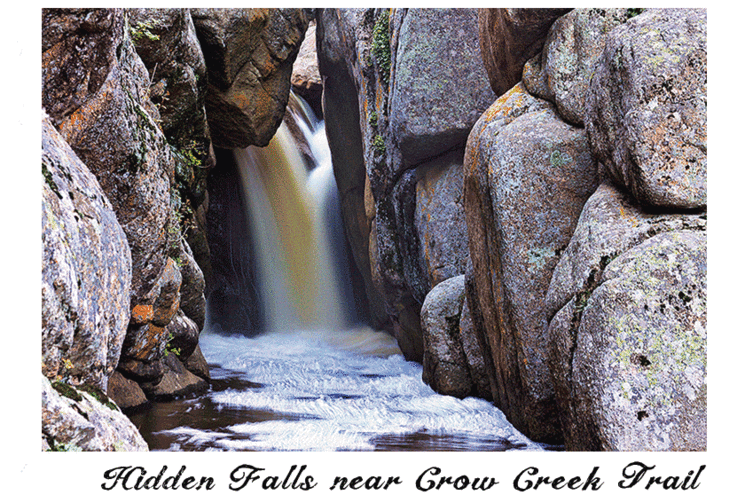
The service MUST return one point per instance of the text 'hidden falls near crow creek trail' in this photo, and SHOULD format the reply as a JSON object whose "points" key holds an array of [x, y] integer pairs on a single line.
{"points": [[251, 478]]}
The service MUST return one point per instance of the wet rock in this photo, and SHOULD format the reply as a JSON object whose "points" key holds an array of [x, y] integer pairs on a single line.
{"points": [[126, 393], [177, 381], [445, 367], [343, 40], [146, 340]]}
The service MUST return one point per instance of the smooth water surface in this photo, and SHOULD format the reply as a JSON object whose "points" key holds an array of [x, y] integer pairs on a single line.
{"points": [[322, 391]]}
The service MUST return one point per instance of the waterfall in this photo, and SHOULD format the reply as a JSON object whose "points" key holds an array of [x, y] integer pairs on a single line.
{"points": [[305, 385], [289, 211]]}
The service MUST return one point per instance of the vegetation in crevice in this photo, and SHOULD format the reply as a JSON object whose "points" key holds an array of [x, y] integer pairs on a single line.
{"points": [[144, 31], [378, 145], [633, 12], [381, 45]]}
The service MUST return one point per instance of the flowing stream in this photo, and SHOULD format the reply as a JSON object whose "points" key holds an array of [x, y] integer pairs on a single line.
{"points": [[314, 381]]}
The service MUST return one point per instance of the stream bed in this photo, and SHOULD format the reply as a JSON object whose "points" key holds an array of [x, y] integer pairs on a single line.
{"points": [[321, 391]]}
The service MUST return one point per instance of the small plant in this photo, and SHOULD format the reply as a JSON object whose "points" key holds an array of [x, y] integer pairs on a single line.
{"points": [[373, 119], [633, 12], [381, 45], [559, 159], [379, 145], [170, 348], [63, 447], [143, 30]]}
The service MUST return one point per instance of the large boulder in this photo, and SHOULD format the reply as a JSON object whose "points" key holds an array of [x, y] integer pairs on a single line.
{"points": [[445, 367], [78, 54], [527, 175], [646, 107], [249, 54], [572, 48], [83, 418], [637, 375], [645, 314], [114, 132], [439, 87], [86, 270]]}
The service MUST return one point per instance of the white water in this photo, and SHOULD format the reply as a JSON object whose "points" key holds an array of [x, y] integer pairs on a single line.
{"points": [[297, 281], [311, 383], [331, 391]]}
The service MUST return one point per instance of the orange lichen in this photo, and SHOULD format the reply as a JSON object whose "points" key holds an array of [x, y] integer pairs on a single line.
{"points": [[142, 313]]}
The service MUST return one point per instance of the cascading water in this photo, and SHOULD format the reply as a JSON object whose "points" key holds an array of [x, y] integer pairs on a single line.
{"points": [[312, 382], [297, 283]]}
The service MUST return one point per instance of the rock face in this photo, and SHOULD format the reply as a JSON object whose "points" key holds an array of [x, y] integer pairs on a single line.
{"points": [[419, 86], [124, 90], [528, 173], [86, 270], [542, 238], [249, 55], [233, 298], [628, 328], [652, 140]]}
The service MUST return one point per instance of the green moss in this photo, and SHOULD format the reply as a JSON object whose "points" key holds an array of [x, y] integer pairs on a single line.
{"points": [[143, 31], [49, 179], [373, 119], [99, 395], [378, 145], [66, 390], [633, 12], [381, 45]]}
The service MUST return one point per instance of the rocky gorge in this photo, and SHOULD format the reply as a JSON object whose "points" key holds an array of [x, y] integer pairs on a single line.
{"points": [[523, 195]]}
